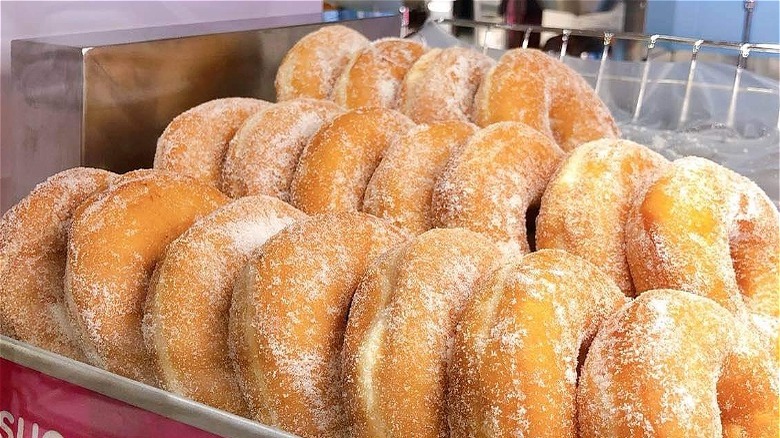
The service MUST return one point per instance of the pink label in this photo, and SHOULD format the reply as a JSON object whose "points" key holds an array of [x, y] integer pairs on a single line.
{"points": [[35, 405]]}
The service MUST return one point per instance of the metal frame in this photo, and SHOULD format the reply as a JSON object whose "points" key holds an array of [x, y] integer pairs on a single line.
{"points": [[742, 50]]}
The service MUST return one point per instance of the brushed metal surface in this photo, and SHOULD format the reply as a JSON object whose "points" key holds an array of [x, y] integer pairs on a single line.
{"points": [[101, 99]]}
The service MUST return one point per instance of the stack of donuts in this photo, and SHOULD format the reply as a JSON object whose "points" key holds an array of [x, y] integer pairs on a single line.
{"points": [[413, 242]]}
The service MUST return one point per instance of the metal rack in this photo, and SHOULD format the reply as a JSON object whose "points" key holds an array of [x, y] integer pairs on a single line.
{"points": [[650, 42]]}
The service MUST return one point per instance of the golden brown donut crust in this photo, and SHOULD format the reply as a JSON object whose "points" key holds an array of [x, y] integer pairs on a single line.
{"points": [[705, 229], [586, 203], [671, 363], [531, 87], [115, 242], [401, 324], [33, 236], [374, 75], [491, 182], [262, 156], [402, 185], [336, 165], [315, 62], [195, 142], [289, 314], [186, 314], [515, 355]]}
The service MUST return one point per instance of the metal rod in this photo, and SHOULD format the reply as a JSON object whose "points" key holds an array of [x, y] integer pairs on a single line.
{"points": [[527, 37], [603, 62], [485, 39], [645, 73], [750, 6], [735, 88], [564, 43], [688, 84], [764, 48]]}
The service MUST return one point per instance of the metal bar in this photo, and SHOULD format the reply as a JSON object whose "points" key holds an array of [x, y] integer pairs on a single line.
{"points": [[741, 61], [603, 62], [564, 43], [750, 6], [645, 73], [484, 40], [688, 84], [527, 37], [764, 48]]}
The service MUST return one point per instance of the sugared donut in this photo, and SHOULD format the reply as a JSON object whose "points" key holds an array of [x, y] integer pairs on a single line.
{"points": [[262, 156], [515, 356], [33, 236], [672, 363], [441, 85], [531, 87], [400, 328], [335, 166], [705, 229], [491, 182], [374, 75], [195, 142], [312, 66], [585, 205], [289, 314], [115, 242], [186, 314], [402, 185]]}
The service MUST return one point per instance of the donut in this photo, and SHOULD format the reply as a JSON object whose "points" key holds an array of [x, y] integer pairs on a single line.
{"points": [[399, 330], [263, 154], [315, 62], [515, 354], [400, 189], [705, 229], [608, 174], [529, 86], [374, 75], [115, 242], [185, 323], [441, 85], [33, 236], [489, 184], [195, 142], [672, 363], [289, 314], [338, 162]]}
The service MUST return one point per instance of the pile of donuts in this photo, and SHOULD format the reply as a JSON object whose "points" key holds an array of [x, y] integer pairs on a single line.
{"points": [[413, 242]]}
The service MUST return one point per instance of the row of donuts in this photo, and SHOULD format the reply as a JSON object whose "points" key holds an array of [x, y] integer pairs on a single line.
{"points": [[614, 202], [455, 83], [341, 324]]}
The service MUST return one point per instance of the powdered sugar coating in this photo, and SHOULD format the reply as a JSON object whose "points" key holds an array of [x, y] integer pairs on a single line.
{"points": [[33, 236], [374, 74], [672, 363], [312, 66], [185, 321], [402, 185], [489, 184], [515, 357], [336, 165], [115, 241], [262, 156], [442, 83], [289, 314], [705, 229], [400, 329], [586, 203], [547, 95], [195, 142]]}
